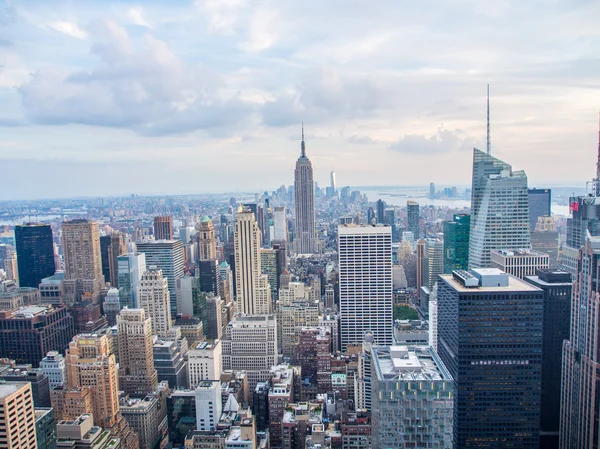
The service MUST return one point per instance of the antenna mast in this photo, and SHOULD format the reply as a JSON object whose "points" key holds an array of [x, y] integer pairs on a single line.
{"points": [[596, 184], [489, 142]]}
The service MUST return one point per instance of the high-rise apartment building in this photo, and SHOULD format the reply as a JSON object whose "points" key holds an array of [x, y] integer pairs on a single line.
{"points": [[412, 218], [250, 344], [35, 253], [365, 279], [519, 262], [163, 228], [540, 203], [207, 243], [168, 256], [130, 268], [499, 209], [400, 375], [111, 247], [305, 237], [557, 288], [494, 359], [137, 376], [17, 417], [253, 290], [456, 243], [155, 301], [83, 262], [580, 400]]}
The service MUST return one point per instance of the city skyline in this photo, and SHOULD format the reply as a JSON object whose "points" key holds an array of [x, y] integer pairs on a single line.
{"points": [[397, 95]]}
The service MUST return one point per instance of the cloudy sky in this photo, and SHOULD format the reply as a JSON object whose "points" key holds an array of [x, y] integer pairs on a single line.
{"points": [[116, 97]]}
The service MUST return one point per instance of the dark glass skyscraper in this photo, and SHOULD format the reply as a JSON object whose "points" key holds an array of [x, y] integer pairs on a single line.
{"points": [[456, 243], [490, 339], [557, 288], [380, 211], [540, 201], [412, 218], [35, 253]]}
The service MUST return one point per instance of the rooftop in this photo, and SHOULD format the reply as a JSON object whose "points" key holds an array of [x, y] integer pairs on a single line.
{"points": [[519, 253], [6, 389], [408, 363], [514, 284]]}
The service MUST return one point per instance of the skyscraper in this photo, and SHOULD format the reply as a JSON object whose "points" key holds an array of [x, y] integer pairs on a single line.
{"points": [[280, 225], [252, 287], [380, 211], [499, 209], [17, 416], [494, 358], [580, 401], [412, 218], [137, 376], [332, 181], [163, 228], [365, 276], [35, 253], [130, 268], [168, 256], [155, 301], [207, 244], [456, 243], [540, 203], [83, 262], [111, 247], [305, 239]]}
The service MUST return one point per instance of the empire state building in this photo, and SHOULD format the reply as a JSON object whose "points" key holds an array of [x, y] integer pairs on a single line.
{"points": [[305, 241]]}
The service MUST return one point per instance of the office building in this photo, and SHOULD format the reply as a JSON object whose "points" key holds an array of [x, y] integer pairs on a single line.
{"points": [[168, 256], [83, 262], [365, 278], [163, 228], [191, 329], [268, 266], [205, 362], [226, 281], [130, 268], [498, 383], [540, 203], [420, 264], [40, 385], [207, 243], [433, 266], [305, 236], [380, 211], [54, 367], [91, 366], [6, 251], [17, 417], [456, 243], [557, 287], [499, 209], [52, 289], [188, 287], [45, 428], [415, 398], [253, 290], [111, 247], [209, 276], [412, 218], [208, 404], [147, 416], [519, 262], [28, 333], [213, 317], [10, 268], [35, 253], [111, 306], [81, 433], [137, 376], [545, 239], [181, 415], [580, 398], [169, 363], [250, 344], [155, 301], [280, 225]]}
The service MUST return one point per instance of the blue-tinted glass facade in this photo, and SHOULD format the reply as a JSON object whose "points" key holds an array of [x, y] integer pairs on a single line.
{"points": [[540, 202], [490, 339], [456, 243], [35, 254]]}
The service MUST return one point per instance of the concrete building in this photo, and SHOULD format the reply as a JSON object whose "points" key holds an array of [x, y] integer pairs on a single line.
{"points": [[17, 417], [155, 301], [207, 243], [415, 398], [40, 385], [519, 262], [53, 366], [250, 344], [252, 287], [83, 262], [305, 238], [226, 280], [81, 433], [488, 305], [130, 268], [137, 376], [52, 289], [163, 228], [167, 255], [433, 266], [205, 362], [268, 266], [169, 363], [365, 279], [191, 329], [208, 404], [499, 209], [147, 416], [281, 393], [111, 306]]}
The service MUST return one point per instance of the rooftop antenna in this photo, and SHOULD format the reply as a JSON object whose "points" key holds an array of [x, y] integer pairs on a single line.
{"points": [[596, 188], [489, 142], [302, 146]]}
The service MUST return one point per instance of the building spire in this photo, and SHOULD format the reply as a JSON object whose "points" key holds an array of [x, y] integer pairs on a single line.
{"points": [[598, 161], [302, 146], [489, 142]]}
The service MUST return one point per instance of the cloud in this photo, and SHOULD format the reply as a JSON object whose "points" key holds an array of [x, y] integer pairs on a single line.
{"points": [[136, 17], [444, 140], [68, 28], [143, 87]]}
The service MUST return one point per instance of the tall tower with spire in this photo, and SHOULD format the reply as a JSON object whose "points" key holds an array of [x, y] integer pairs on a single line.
{"points": [[305, 239]]}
